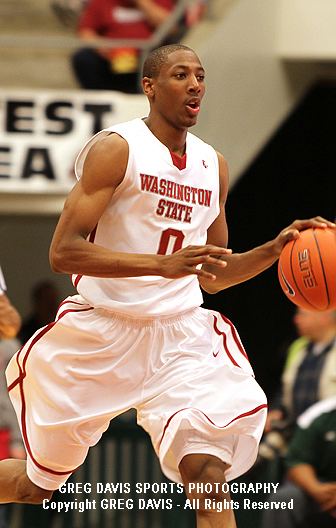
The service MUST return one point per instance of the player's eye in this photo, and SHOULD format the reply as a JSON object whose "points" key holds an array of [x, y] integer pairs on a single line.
{"points": [[180, 75], [200, 78]]}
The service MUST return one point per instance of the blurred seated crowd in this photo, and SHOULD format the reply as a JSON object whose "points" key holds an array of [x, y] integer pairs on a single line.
{"points": [[117, 68], [300, 431]]}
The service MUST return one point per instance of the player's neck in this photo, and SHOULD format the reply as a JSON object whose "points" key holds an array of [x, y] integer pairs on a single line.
{"points": [[172, 138]]}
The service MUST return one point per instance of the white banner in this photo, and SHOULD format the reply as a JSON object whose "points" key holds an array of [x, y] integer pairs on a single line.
{"points": [[42, 133]]}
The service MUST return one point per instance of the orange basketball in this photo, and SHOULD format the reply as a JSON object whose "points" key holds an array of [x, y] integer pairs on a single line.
{"points": [[307, 269]]}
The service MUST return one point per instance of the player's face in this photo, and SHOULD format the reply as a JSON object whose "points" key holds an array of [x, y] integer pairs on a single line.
{"points": [[179, 88]]}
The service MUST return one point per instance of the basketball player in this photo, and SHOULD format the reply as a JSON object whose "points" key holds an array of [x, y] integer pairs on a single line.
{"points": [[142, 228]]}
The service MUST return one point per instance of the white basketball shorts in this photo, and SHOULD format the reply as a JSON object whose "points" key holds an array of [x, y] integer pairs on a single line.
{"points": [[187, 376]]}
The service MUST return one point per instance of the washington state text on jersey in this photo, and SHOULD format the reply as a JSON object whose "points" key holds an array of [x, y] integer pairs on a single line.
{"points": [[171, 189]]}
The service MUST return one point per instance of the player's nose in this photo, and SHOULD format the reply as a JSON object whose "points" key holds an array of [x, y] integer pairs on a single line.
{"points": [[194, 84]]}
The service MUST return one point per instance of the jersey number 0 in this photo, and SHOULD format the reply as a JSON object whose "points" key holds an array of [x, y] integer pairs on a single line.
{"points": [[171, 241]]}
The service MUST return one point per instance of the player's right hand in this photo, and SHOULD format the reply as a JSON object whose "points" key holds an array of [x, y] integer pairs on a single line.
{"points": [[188, 261], [293, 230]]}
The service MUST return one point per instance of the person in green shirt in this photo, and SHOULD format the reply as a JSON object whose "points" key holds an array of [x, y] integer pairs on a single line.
{"points": [[311, 472]]}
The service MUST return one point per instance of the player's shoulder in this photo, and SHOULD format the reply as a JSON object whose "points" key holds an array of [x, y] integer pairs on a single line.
{"points": [[108, 145], [131, 126], [110, 150], [221, 160], [115, 134]]}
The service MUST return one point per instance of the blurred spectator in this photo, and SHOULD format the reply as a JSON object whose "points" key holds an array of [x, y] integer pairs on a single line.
{"points": [[195, 12], [11, 445], [68, 11], [116, 69], [10, 436], [45, 299], [309, 376], [311, 463], [9, 318]]}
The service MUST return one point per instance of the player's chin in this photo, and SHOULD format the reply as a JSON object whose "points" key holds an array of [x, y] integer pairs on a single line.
{"points": [[189, 121]]}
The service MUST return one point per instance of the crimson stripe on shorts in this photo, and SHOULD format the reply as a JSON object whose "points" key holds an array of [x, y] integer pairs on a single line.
{"points": [[14, 383], [235, 335], [23, 401], [68, 301], [243, 415], [218, 332], [76, 281]]}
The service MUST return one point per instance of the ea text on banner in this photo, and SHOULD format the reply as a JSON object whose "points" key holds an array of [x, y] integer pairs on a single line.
{"points": [[42, 133]]}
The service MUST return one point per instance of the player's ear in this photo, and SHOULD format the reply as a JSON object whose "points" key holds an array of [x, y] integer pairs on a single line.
{"points": [[148, 86]]}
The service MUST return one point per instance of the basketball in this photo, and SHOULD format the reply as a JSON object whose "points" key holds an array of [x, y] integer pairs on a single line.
{"points": [[307, 269]]}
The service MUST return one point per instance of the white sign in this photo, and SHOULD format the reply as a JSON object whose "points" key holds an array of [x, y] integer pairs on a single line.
{"points": [[42, 133]]}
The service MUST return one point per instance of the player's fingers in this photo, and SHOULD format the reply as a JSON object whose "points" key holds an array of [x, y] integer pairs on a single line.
{"points": [[207, 259], [292, 231], [204, 274], [289, 234], [325, 221], [317, 221], [210, 249]]}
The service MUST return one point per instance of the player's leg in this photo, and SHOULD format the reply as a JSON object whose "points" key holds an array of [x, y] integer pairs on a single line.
{"points": [[200, 432], [198, 470], [59, 418], [15, 486]]}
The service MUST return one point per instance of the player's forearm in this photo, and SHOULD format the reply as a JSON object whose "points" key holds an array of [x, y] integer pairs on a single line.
{"points": [[84, 258], [240, 267]]}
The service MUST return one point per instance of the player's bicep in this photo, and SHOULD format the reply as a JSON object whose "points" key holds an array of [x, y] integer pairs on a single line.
{"points": [[81, 212], [103, 171], [218, 232], [105, 164]]}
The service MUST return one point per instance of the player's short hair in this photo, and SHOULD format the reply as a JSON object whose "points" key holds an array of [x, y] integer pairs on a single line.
{"points": [[158, 57]]}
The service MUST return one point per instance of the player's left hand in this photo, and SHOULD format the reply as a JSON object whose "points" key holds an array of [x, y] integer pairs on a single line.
{"points": [[293, 230]]}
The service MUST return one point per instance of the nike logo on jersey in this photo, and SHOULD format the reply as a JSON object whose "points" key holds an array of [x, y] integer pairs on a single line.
{"points": [[290, 290], [204, 164]]}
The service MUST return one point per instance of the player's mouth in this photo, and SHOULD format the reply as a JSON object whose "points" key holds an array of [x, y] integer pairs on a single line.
{"points": [[193, 106]]}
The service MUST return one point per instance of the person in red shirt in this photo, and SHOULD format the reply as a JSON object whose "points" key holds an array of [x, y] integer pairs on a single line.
{"points": [[116, 68]]}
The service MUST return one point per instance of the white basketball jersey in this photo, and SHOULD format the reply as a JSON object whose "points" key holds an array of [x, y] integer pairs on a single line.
{"points": [[158, 208]]}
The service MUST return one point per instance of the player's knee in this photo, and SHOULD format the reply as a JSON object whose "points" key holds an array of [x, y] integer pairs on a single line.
{"points": [[204, 480], [27, 492]]}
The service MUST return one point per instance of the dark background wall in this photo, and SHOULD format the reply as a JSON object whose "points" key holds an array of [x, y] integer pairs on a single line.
{"points": [[293, 177]]}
